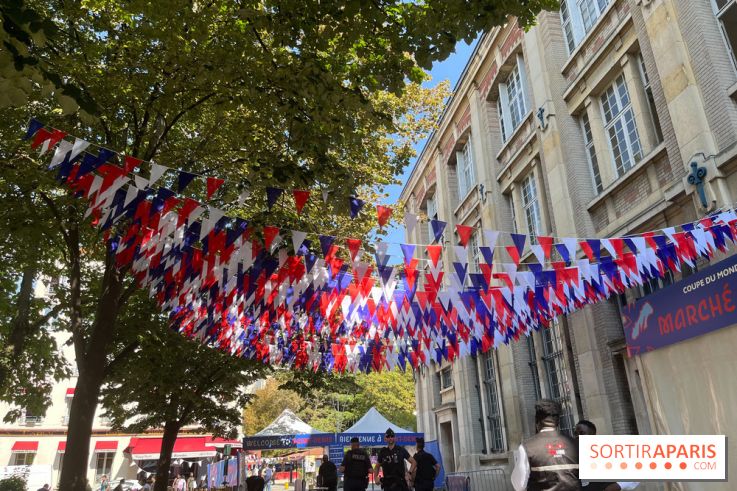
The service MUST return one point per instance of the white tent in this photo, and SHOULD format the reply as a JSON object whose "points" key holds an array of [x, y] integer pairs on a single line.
{"points": [[374, 422], [287, 423]]}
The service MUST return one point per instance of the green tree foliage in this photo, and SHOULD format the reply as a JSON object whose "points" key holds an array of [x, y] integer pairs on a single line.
{"points": [[13, 483], [392, 393], [267, 405], [171, 382], [279, 93]]}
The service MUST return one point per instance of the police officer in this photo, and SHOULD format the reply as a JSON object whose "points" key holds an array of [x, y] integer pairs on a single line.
{"points": [[356, 466], [549, 460], [426, 468], [391, 460]]}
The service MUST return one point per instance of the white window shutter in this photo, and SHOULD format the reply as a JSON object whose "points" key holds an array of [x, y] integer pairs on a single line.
{"points": [[526, 89], [576, 21], [505, 118]]}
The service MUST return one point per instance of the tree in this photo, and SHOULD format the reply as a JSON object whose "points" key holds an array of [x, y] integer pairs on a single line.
{"points": [[171, 382], [267, 405], [392, 393], [283, 93]]}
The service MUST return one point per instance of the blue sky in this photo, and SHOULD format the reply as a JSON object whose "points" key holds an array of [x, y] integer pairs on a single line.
{"points": [[449, 69]]}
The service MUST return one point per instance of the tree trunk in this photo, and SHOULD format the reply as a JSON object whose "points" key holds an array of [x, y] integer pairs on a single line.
{"points": [[21, 324], [92, 366], [171, 430]]}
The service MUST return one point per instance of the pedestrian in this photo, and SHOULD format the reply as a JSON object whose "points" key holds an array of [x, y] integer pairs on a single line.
{"points": [[203, 483], [104, 484], [255, 482], [327, 474], [356, 466], [585, 427], [268, 477], [179, 483], [191, 483], [119, 487], [425, 469], [147, 486], [44, 488], [392, 462], [548, 460]]}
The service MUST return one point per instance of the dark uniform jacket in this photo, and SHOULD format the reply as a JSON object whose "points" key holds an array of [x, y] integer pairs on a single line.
{"points": [[553, 459], [357, 464]]}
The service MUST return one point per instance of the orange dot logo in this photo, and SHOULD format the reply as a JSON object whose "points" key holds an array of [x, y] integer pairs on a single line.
{"points": [[668, 465], [623, 465], [683, 466], [653, 465], [608, 465], [638, 465]]}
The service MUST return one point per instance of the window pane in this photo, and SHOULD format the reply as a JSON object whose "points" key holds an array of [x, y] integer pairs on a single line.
{"points": [[621, 126], [591, 152], [565, 21], [729, 26], [494, 415], [557, 374], [532, 207]]}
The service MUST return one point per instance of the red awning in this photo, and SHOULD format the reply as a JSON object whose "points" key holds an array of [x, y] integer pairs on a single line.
{"points": [[106, 446], [221, 442], [70, 392], [25, 447], [62, 447], [184, 447]]}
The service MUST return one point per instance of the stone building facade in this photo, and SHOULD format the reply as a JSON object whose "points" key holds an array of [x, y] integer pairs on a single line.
{"points": [[583, 126]]}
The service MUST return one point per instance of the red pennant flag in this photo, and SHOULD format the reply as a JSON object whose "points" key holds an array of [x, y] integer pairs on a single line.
{"points": [[587, 249], [353, 245], [546, 243], [213, 184], [383, 213], [300, 198], [269, 234], [513, 253], [187, 208], [464, 234], [130, 163], [434, 252]]}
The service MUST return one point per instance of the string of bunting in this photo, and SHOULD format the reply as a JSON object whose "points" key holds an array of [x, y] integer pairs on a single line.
{"points": [[313, 312]]}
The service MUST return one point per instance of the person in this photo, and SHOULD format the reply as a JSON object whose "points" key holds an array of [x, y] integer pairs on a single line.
{"points": [[119, 487], [191, 483], [44, 488], [356, 466], [327, 474], [178, 483], [391, 460], [425, 469], [268, 477], [586, 427], [104, 484], [203, 483], [255, 482], [148, 486], [548, 460]]}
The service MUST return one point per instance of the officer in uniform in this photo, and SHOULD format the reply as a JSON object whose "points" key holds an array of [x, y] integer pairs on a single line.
{"points": [[549, 460], [391, 461], [356, 466], [423, 474]]}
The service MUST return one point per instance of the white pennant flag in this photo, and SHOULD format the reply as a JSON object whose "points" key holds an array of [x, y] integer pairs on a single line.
{"points": [[298, 238], [537, 250], [214, 217], [141, 182], [491, 237], [410, 222], [156, 172], [571, 244], [79, 147], [669, 231], [130, 195], [243, 196], [325, 193], [61, 151], [609, 247], [381, 248], [461, 254]]}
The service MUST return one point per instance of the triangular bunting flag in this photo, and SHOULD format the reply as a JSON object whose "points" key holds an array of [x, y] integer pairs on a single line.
{"points": [[383, 213], [519, 243], [356, 205], [270, 233], [326, 242], [410, 222], [213, 184], [464, 234], [184, 179], [353, 245], [298, 238], [156, 172], [272, 194], [437, 229], [408, 250], [33, 126], [300, 199]]}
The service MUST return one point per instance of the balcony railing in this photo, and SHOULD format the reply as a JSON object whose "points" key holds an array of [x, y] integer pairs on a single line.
{"points": [[32, 420]]}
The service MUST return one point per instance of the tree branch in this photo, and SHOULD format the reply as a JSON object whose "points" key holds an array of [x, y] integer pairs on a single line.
{"points": [[55, 211], [43, 320], [120, 357], [153, 149]]}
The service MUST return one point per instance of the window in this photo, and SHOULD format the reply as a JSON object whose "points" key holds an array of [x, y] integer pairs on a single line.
{"points": [[557, 374], [512, 104], [510, 198], [475, 252], [591, 153], [492, 403], [104, 464], [432, 214], [31, 419], [23, 458], [650, 99], [726, 12], [466, 174], [577, 17], [446, 378], [531, 206], [620, 126]]}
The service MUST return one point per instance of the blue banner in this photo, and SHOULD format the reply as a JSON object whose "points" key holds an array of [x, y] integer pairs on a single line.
{"points": [[377, 439], [324, 440], [336, 454], [696, 305]]}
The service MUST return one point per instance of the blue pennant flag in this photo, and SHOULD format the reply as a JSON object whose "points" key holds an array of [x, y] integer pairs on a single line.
{"points": [[272, 194], [564, 254], [326, 241], [461, 271], [33, 126], [488, 254], [356, 205], [437, 228], [519, 242], [408, 250], [235, 231], [184, 179], [90, 162]]}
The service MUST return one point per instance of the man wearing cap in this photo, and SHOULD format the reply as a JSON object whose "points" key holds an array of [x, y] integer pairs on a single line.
{"points": [[391, 459], [549, 460], [425, 469], [356, 466]]}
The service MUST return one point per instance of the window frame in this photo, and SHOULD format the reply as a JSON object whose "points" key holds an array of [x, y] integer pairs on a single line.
{"points": [[620, 82], [465, 169], [432, 214], [474, 248], [531, 206], [578, 29], [23, 458], [588, 139], [520, 101], [650, 98], [108, 458], [497, 437], [444, 372], [718, 13], [554, 363]]}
